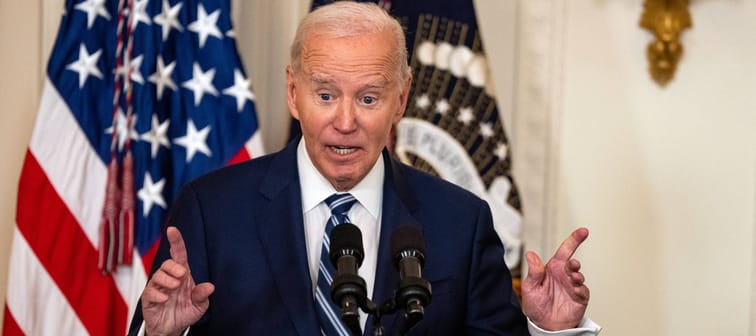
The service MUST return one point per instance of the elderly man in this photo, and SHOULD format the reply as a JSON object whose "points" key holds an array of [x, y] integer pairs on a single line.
{"points": [[245, 255]]}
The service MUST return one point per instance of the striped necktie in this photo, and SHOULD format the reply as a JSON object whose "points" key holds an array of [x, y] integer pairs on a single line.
{"points": [[328, 312]]}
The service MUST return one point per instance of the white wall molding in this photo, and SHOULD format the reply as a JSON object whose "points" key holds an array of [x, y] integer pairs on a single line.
{"points": [[753, 272], [537, 116], [264, 31]]}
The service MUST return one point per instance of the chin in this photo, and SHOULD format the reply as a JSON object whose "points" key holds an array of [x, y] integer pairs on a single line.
{"points": [[343, 181], [344, 184]]}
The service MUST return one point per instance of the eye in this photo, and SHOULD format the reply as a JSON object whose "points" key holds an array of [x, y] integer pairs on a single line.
{"points": [[368, 100], [325, 96]]}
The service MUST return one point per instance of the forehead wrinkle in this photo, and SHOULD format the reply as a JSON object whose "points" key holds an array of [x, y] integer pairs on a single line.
{"points": [[374, 79], [324, 68], [320, 61]]}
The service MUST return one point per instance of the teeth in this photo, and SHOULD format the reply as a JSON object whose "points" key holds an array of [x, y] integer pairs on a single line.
{"points": [[342, 150]]}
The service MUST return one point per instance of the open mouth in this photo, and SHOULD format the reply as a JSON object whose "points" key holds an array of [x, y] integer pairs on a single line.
{"points": [[342, 150]]}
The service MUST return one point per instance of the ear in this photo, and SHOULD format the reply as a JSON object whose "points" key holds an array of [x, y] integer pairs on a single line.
{"points": [[404, 96], [291, 92]]}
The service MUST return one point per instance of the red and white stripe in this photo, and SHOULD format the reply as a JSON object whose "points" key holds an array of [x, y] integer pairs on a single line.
{"points": [[54, 284]]}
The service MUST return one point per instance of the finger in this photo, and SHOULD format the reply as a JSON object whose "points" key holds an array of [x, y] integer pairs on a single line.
{"points": [[174, 269], [201, 292], [178, 249], [573, 265], [165, 280], [581, 294], [577, 279], [570, 245], [536, 271]]}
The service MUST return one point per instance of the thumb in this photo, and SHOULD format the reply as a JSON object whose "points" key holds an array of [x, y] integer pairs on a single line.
{"points": [[201, 292], [536, 270]]}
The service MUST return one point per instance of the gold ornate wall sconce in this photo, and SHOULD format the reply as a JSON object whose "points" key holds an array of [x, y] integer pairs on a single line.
{"points": [[666, 19]]}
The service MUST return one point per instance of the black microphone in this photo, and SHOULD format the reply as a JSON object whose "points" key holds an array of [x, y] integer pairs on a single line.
{"points": [[348, 289], [414, 293]]}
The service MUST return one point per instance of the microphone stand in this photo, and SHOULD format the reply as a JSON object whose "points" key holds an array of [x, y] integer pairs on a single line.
{"points": [[388, 307]]}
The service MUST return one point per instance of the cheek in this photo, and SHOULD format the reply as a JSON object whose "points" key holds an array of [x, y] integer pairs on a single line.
{"points": [[380, 132], [310, 118]]}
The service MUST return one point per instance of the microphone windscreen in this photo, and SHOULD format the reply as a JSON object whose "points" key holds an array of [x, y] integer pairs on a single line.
{"points": [[407, 239], [346, 239]]}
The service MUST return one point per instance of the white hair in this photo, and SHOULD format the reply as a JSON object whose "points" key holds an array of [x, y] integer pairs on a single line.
{"points": [[348, 19]]}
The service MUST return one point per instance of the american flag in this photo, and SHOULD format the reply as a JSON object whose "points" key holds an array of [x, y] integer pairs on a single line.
{"points": [[452, 126], [141, 97]]}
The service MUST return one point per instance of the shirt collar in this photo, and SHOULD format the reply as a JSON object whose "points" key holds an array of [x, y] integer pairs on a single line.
{"points": [[368, 192]]}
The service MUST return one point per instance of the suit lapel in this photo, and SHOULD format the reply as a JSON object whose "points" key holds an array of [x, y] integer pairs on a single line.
{"points": [[282, 235], [398, 204], [282, 232]]}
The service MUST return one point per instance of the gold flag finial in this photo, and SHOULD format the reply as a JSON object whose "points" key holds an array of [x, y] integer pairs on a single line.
{"points": [[666, 19]]}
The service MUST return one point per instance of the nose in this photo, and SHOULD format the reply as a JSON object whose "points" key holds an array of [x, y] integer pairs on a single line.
{"points": [[345, 120]]}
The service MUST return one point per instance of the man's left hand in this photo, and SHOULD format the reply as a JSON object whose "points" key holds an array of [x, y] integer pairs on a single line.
{"points": [[554, 296]]}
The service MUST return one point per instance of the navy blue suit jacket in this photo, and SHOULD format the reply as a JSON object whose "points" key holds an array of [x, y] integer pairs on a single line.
{"points": [[243, 230]]}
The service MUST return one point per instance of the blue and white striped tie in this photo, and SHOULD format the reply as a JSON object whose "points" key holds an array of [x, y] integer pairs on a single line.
{"points": [[328, 312]]}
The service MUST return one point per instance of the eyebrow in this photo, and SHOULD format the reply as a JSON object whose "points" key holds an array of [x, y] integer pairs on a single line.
{"points": [[375, 85], [320, 79]]}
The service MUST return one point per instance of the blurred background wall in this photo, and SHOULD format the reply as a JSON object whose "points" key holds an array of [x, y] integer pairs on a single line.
{"points": [[665, 178]]}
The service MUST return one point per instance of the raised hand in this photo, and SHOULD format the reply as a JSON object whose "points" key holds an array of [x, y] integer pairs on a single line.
{"points": [[554, 296], [172, 302]]}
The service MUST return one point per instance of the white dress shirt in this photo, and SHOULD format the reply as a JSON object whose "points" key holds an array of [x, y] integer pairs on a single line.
{"points": [[365, 214]]}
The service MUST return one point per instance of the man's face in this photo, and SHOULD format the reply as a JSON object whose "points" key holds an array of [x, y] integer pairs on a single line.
{"points": [[346, 97]]}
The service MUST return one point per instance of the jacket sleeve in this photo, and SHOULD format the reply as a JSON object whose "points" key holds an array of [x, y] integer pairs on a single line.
{"points": [[186, 215], [492, 306]]}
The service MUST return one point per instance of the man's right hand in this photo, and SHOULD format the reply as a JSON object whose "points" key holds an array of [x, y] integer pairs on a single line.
{"points": [[172, 302]]}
